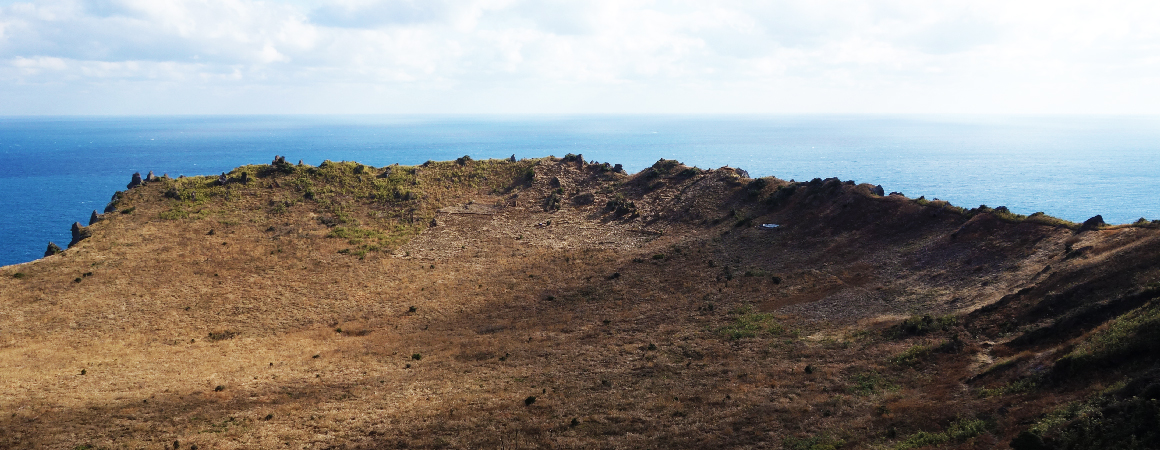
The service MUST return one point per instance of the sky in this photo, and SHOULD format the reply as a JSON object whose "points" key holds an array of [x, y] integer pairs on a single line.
{"points": [[143, 57]]}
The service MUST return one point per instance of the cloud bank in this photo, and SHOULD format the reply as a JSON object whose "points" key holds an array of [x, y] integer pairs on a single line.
{"points": [[557, 56]]}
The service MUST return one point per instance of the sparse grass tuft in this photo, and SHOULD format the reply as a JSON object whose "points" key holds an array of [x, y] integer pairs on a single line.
{"points": [[749, 324], [958, 431], [215, 336], [921, 325], [820, 442]]}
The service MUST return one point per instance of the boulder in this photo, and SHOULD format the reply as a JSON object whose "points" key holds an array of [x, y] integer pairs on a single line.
{"points": [[151, 178], [136, 181], [513, 158], [1093, 223], [742, 173], [52, 249], [877, 190], [94, 217], [79, 233], [222, 179]]}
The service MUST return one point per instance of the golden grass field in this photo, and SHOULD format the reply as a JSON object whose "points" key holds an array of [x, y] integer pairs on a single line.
{"points": [[510, 304]]}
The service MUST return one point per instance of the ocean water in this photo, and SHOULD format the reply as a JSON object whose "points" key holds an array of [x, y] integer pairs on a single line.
{"points": [[55, 170]]}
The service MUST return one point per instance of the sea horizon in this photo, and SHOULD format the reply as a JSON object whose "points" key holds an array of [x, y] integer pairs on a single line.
{"points": [[54, 170]]}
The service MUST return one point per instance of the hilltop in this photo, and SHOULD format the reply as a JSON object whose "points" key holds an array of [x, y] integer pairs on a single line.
{"points": [[564, 303]]}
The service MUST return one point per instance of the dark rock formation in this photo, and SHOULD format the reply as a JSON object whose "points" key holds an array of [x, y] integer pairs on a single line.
{"points": [[742, 172], [94, 218], [151, 178], [245, 178], [513, 158], [222, 179], [136, 181], [79, 233], [112, 206], [1093, 223], [280, 160], [618, 168], [52, 249], [878, 191]]}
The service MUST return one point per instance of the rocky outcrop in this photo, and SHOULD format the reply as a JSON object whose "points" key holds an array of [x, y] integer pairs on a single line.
{"points": [[223, 179], [879, 191], [94, 218], [112, 206], [151, 178], [79, 233], [136, 181], [52, 249], [1093, 223]]}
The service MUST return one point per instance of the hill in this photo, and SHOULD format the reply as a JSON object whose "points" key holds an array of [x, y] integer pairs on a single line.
{"points": [[564, 303]]}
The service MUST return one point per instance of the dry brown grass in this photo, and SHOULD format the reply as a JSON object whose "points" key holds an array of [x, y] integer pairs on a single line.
{"points": [[622, 348]]}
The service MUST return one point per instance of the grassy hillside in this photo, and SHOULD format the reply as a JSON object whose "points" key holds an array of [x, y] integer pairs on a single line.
{"points": [[566, 304]]}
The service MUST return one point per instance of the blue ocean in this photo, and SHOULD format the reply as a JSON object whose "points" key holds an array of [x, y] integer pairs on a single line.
{"points": [[55, 170]]}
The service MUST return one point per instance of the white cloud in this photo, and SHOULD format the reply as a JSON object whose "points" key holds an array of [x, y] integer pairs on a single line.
{"points": [[582, 56]]}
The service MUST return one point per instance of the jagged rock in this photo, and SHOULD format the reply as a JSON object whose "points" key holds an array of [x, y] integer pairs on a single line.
{"points": [[742, 172], [280, 160], [245, 177], [897, 193], [878, 191], [52, 249], [618, 168], [79, 233], [136, 181], [94, 218], [151, 178], [513, 158], [222, 179], [1093, 223], [112, 206]]}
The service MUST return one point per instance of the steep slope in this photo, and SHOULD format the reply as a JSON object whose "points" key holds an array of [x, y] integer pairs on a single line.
{"points": [[557, 302]]}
